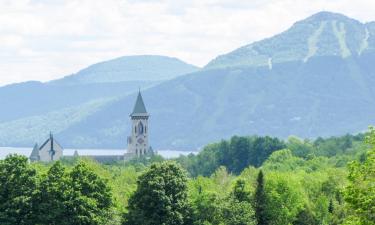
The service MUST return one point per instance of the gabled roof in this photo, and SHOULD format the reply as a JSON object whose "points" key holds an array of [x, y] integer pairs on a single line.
{"points": [[139, 107], [50, 140]]}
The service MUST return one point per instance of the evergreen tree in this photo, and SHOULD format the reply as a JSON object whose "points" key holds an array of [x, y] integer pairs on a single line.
{"points": [[17, 186], [160, 198], [260, 201], [330, 206]]}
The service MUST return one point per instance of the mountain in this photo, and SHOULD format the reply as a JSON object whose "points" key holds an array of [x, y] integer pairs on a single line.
{"points": [[130, 68], [31, 109], [322, 34], [315, 79]]}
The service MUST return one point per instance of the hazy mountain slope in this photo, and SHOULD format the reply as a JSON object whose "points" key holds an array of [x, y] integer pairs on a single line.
{"points": [[28, 130], [36, 98], [320, 83], [130, 68], [118, 77], [319, 98]]}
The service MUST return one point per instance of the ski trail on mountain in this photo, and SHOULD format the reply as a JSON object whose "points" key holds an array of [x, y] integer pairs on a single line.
{"points": [[313, 40], [340, 34], [364, 44]]}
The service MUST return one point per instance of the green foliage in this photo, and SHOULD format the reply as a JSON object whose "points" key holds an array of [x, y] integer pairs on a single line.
{"points": [[217, 207], [260, 201], [235, 154], [160, 198], [284, 198], [239, 213], [53, 194], [90, 197], [336, 145], [305, 217], [360, 193], [240, 210], [303, 149], [240, 193], [304, 185], [79, 196], [17, 186]]}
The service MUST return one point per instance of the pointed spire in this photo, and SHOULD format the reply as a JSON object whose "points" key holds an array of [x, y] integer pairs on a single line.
{"points": [[139, 107]]}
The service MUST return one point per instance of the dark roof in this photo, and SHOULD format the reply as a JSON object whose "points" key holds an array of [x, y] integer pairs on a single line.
{"points": [[139, 107], [44, 144], [54, 142]]}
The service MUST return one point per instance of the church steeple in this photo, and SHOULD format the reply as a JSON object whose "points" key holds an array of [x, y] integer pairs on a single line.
{"points": [[139, 107], [138, 144]]}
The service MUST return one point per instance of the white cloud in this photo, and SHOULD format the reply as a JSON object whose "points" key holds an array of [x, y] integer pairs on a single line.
{"points": [[46, 39]]}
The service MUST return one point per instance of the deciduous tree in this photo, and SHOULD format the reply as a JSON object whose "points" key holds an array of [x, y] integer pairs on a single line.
{"points": [[160, 198]]}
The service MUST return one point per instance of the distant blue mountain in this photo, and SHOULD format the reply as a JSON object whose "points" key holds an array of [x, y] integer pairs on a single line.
{"points": [[31, 109], [130, 68], [315, 79]]}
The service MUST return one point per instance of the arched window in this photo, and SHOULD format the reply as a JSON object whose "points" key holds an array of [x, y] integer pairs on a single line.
{"points": [[145, 129], [135, 129], [140, 128]]}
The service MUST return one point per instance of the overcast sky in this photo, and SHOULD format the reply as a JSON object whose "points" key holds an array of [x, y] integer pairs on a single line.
{"points": [[47, 39]]}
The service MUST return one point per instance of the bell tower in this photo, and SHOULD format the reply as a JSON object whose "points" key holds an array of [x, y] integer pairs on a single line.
{"points": [[138, 141]]}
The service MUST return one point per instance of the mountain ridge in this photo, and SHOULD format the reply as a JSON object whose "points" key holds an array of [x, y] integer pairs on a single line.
{"points": [[130, 68], [321, 34]]}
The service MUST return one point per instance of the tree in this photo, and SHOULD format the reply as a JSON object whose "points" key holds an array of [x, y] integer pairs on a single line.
{"points": [[260, 201], [360, 193], [238, 213], [262, 147], [331, 207], [305, 217], [160, 198], [240, 194], [285, 198], [238, 209], [208, 209], [53, 194], [89, 197], [17, 186]]}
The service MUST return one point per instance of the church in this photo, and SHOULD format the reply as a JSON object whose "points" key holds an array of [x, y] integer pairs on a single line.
{"points": [[138, 144], [138, 141], [49, 151]]}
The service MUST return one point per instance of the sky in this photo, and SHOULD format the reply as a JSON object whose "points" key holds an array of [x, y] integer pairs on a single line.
{"points": [[48, 39]]}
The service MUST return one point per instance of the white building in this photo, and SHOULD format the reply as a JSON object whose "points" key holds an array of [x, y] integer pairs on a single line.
{"points": [[138, 143], [49, 151]]}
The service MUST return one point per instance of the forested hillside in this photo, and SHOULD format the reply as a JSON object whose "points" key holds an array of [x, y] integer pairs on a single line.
{"points": [[241, 181]]}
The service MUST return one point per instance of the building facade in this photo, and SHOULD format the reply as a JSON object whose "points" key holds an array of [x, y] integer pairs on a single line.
{"points": [[138, 141]]}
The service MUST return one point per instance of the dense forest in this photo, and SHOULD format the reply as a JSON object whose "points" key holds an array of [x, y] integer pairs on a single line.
{"points": [[241, 181]]}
